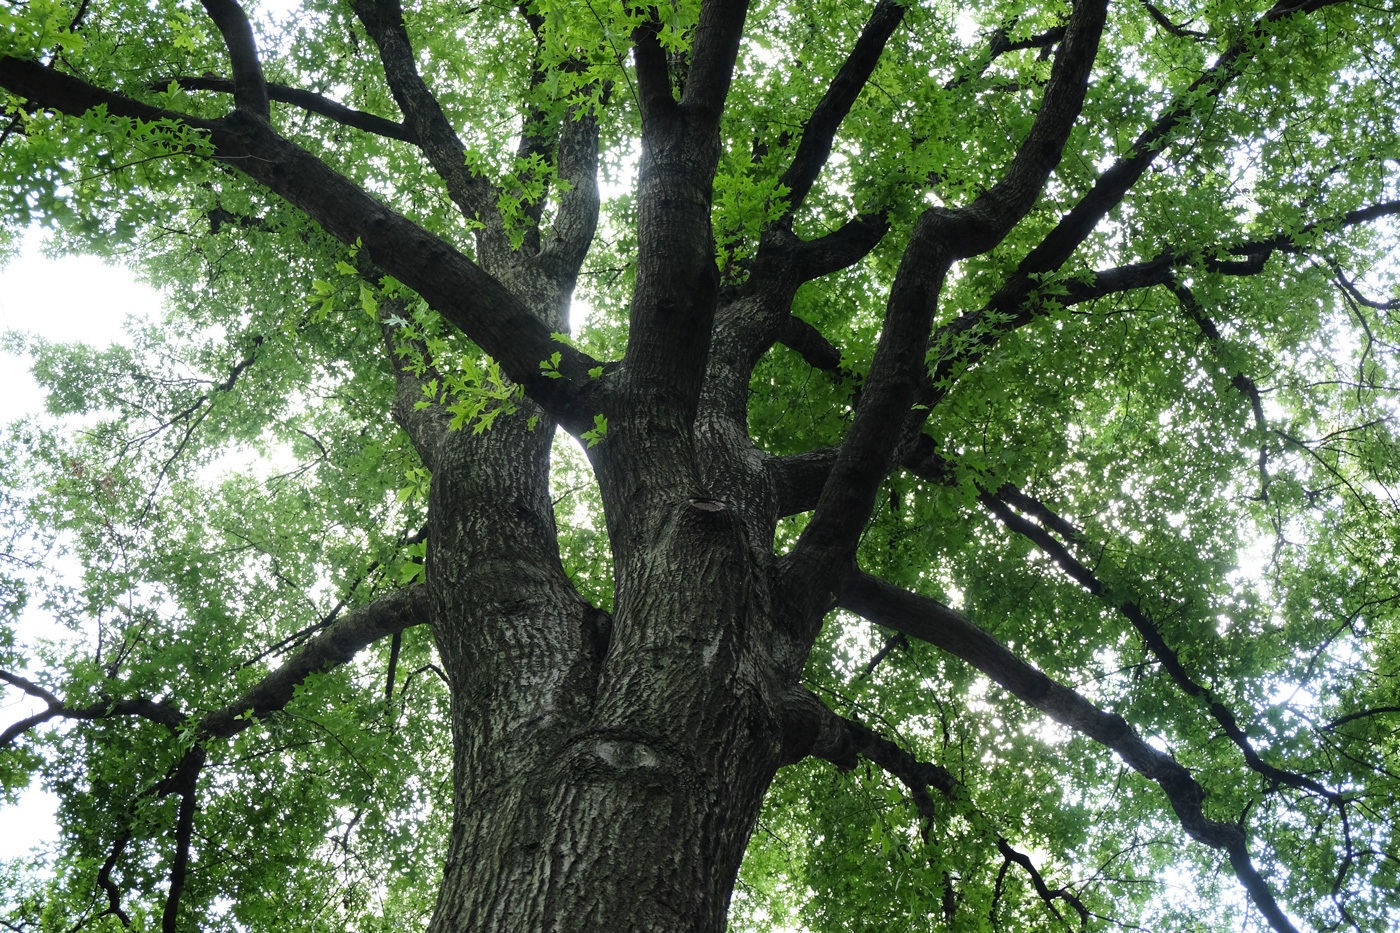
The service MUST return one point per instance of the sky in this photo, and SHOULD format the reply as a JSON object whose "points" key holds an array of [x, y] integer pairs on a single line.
{"points": [[75, 298]]}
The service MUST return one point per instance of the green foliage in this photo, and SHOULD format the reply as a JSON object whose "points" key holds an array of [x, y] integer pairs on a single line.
{"points": [[229, 480]]}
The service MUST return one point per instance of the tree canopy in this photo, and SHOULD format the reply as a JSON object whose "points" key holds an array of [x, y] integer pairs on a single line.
{"points": [[829, 465]]}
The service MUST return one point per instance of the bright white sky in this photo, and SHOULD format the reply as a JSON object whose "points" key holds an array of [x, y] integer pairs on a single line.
{"points": [[68, 299]]}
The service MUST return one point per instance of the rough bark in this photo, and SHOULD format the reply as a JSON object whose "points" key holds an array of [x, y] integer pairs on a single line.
{"points": [[608, 767]]}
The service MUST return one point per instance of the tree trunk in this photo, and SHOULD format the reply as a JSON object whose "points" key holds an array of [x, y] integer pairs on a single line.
{"points": [[608, 771]]}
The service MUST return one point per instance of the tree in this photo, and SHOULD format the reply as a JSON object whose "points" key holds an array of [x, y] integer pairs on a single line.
{"points": [[996, 404]]}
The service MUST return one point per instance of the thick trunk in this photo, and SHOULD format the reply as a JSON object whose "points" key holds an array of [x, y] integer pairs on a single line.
{"points": [[608, 772]]}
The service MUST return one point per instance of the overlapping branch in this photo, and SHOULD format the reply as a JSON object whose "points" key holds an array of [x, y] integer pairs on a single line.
{"points": [[940, 237], [801, 477], [471, 191], [249, 86], [465, 294], [1001, 503], [309, 101], [572, 144], [812, 728], [930, 621], [1111, 186]]}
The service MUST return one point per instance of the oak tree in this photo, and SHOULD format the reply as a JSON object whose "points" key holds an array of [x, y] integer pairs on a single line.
{"points": [[612, 466]]}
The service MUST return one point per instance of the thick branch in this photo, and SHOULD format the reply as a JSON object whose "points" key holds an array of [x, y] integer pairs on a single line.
{"points": [[986, 221], [964, 340], [455, 286], [798, 479], [459, 289], [827, 545], [931, 621], [796, 334], [387, 615], [671, 321], [814, 148], [843, 247], [249, 86], [576, 219], [812, 569], [653, 74], [760, 313], [390, 613], [1108, 191], [306, 100], [470, 191], [712, 58], [811, 728]]}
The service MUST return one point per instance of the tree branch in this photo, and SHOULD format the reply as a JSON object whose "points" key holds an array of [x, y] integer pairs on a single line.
{"points": [[801, 337], [931, 621], [712, 57], [654, 97], [811, 725], [185, 783], [576, 219], [306, 100], [814, 148], [538, 138], [1108, 191], [1151, 635], [1242, 382], [842, 248], [390, 613], [962, 342], [249, 86], [1181, 32], [1349, 287], [159, 712], [108, 886], [985, 222], [457, 287], [465, 294], [473, 194], [999, 44], [414, 369], [827, 545], [811, 728]]}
